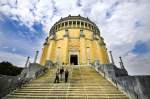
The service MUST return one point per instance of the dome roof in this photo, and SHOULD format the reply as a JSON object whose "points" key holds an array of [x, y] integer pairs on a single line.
{"points": [[88, 24]]}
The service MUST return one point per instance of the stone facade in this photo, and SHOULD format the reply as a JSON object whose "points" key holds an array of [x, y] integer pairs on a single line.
{"points": [[74, 40]]}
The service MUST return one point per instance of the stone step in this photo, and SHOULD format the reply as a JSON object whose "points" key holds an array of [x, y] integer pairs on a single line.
{"points": [[72, 87], [75, 78], [72, 81], [75, 84], [46, 85], [81, 80], [69, 91], [66, 97]]}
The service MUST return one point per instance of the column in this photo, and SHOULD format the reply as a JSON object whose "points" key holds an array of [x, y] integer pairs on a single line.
{"points": [[92, 53], [68, 24], [44, 54], [51, 51], [76, 23], [96, 50], [88, 52], [65, 48], [71, 23], [103, 50], [80, 24], [107, 58], [83, 59]]}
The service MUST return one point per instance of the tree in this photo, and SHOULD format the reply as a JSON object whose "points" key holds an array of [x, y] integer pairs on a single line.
{"points": [[7, 68]]}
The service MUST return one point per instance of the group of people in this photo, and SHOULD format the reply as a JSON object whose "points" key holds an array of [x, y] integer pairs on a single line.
{"points": [[60, 73]]}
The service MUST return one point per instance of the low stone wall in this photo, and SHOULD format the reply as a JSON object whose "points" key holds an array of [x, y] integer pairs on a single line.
{"points": [[34, 70], [136, 87], [10, 83]]}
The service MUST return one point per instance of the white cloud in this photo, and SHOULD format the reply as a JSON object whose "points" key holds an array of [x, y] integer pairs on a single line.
{"points": [[137, 64], [118, 30], [15, 59]]}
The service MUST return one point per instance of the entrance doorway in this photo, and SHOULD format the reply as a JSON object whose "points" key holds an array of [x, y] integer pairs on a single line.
{"points": [[74, 59]]}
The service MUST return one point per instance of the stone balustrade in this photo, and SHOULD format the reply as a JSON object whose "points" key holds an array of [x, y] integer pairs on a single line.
{"points": [[136, 87]]}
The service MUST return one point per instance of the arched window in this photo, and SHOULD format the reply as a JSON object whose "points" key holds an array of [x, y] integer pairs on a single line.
{"points": [[66, 32], [81, 33]]}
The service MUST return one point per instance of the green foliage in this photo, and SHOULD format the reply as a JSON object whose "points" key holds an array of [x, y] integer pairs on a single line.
{"points": [[7, 68]]}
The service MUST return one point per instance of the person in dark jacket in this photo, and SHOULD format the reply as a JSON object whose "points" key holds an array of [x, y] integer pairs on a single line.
{"points": [[66, 75], [61, 72], [57, 76]]}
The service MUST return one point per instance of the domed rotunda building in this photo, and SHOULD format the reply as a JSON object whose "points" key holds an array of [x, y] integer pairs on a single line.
{"points": [[74, 40]]}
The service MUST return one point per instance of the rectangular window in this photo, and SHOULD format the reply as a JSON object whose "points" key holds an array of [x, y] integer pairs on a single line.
{"points": [[74, 23], [89, 26], [81, 23], [70, 23], [58, 26], [78, 23], [62, 24], [85, 24], [66, 23]]}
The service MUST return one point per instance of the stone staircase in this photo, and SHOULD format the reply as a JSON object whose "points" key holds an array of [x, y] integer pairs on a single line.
{"points": [[84, 83]]}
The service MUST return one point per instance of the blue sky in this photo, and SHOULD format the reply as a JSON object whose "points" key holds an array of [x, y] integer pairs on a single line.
{"points": [[125, 25]]}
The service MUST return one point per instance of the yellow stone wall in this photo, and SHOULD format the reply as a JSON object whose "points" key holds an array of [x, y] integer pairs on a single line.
{"points": [[44, 54], [67, 41]]}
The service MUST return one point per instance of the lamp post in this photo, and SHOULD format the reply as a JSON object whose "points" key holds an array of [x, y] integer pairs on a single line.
{"points": [[26, 65], [36, 55], [121, 63]]}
